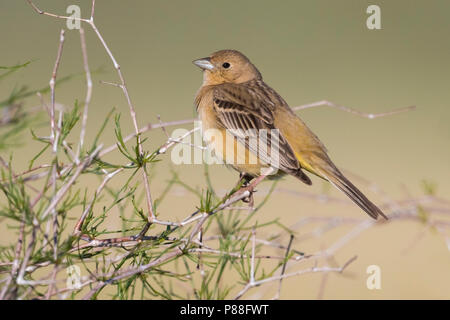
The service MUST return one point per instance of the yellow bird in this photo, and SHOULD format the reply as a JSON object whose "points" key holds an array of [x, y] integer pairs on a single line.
{"points": [[234, 103]]}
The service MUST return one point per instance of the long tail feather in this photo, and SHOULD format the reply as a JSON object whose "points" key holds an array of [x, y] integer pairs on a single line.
{"points": [[343, 184]]}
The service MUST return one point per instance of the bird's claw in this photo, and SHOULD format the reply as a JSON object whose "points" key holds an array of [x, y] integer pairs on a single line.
{"points": [[249, 199], [246, 187]]}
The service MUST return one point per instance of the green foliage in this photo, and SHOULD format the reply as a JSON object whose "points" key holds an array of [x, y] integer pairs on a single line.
{"points": [[429, 187], [15, 119], [52, 244]]}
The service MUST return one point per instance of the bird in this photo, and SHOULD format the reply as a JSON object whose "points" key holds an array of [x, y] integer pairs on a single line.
{"points": [[234, 100]]}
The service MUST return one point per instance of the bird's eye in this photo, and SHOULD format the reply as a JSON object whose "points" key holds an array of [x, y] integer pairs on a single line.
{"points": [[226, 65]]}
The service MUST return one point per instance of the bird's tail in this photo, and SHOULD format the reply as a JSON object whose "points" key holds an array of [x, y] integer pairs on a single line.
{"points": [[342, 183]]}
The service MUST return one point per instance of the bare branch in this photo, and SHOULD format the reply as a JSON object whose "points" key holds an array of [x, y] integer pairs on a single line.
{"points": [[352, 111], [88, 86]]}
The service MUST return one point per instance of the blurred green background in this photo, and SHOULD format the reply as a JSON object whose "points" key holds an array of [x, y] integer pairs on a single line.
{"points": [[307, 51]]}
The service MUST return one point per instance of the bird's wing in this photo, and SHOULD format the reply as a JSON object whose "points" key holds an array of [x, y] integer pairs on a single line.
{"points": [[247, 113]]}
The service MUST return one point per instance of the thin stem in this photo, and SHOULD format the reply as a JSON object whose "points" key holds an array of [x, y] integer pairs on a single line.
{"points": [[88, 88]]}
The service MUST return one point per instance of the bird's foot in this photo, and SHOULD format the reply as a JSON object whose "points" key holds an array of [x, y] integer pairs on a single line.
{"points": [[246, 186], [249, 199]]}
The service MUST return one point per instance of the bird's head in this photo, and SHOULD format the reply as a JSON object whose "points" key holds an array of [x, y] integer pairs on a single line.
{"points": [[227, 66]]}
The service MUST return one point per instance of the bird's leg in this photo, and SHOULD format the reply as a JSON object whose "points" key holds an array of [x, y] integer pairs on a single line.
{"points": [[247, 178], [250, 188]]}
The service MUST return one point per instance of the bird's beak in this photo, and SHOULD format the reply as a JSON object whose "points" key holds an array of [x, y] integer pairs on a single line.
{"points": [[204, 63]]}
